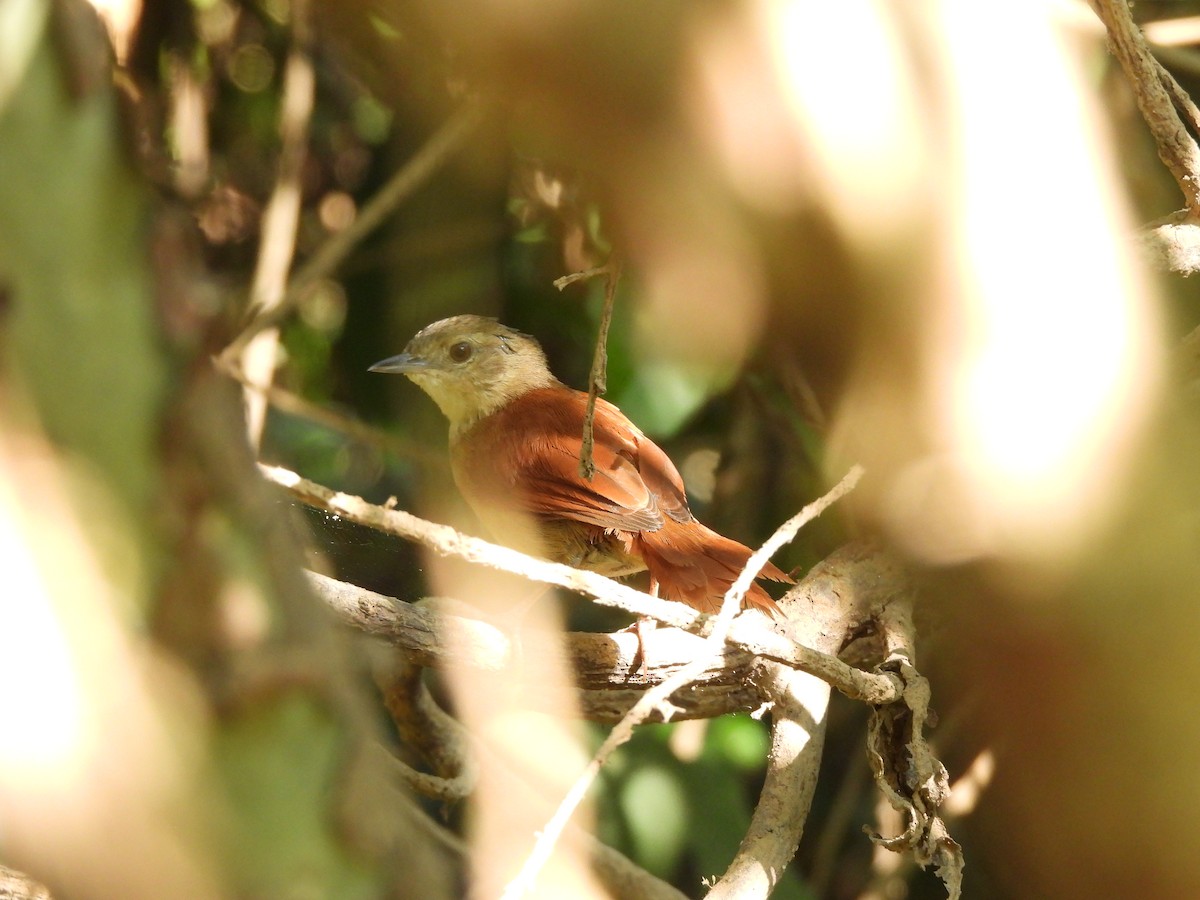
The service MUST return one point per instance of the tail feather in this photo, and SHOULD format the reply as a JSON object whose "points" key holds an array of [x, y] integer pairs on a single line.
{"points": [[695, 565]]}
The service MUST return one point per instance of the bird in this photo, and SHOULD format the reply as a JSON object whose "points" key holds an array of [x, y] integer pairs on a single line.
{"points": [[516, 433]]}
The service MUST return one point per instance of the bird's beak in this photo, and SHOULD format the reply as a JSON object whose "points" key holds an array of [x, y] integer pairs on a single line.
{"points": [[402, 364]]}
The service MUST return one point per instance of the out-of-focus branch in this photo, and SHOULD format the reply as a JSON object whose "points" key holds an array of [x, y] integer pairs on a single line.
{"points": [[293, 404], [431, 731], [450, 138], [16, 885], [281, 219], [1172, 244]]}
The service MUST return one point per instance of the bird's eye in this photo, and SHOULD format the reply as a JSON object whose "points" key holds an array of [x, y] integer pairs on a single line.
{"points": [[461, 351]]}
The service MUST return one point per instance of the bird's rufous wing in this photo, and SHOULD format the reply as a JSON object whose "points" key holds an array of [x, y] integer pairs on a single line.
{"points": [[542, 464]]}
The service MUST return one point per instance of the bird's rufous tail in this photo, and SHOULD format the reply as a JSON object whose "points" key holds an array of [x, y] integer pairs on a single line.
{"points": [[695, 565]]}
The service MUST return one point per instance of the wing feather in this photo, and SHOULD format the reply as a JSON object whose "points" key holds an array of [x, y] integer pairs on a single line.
{"points": [[528, 452]]}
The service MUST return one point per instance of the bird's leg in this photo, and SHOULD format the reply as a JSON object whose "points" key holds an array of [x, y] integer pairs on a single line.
{"points": [[643, 628]]}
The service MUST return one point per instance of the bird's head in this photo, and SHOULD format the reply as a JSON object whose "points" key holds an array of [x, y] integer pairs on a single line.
{"points": [[471, 366]]}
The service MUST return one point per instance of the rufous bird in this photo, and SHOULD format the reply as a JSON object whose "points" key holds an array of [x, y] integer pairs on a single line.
{"points": [[515, 437]]}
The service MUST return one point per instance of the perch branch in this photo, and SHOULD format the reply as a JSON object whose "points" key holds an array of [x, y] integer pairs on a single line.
{"points": [[658, 697], [447, 541], [748, 633]]}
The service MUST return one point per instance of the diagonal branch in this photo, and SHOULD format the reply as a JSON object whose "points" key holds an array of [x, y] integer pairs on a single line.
{"points": [[1151, 83]]}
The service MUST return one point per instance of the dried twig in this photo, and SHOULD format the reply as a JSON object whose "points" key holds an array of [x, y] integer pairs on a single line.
{"points": [[598, 380], [567, 280]]}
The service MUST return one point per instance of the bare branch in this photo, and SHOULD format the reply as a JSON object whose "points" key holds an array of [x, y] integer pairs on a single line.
{"points": [[799, 703], [1176, 147], [447, 541]]}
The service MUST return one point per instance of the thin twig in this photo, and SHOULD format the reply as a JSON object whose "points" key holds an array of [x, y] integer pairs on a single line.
{"points": [[598, 380], [564, 281], [449, 542], [658, 697], [450, 138]]}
